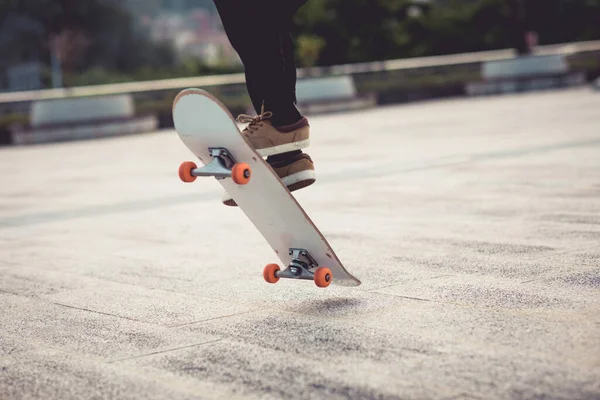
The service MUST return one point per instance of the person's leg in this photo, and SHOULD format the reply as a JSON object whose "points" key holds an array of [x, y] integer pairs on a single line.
{"points": [[287, 43], [259, 32], [287, 114], [281, 100], [238, 19], [265, 46]]}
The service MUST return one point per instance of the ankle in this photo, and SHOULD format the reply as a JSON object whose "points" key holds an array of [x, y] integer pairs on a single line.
{"points": [[284, 113], [290, 127], [283, 156]]}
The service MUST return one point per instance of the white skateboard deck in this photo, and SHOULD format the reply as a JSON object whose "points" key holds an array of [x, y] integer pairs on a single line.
{"points": [[202, 122]]}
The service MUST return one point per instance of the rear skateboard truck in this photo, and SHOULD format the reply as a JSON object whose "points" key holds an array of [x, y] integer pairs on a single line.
{"points": [[222, 166], [302, 266]]}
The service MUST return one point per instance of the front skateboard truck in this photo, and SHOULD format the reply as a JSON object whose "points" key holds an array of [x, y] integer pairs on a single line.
{"points": [[302, 266], [222, 166]]}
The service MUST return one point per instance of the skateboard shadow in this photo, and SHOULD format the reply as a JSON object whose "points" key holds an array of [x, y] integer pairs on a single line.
{"points": [[330, 307]]}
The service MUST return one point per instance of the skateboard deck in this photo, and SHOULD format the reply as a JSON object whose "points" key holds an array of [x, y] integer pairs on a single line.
{"points": [[210, 132]]}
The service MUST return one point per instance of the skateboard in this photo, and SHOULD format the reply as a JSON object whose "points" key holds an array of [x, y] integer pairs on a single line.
{"points": [[211, 133]]}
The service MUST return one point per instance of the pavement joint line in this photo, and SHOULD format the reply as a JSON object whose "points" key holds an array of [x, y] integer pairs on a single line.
{"points": [[439, 276], [132, 319], [524, 311], [409, 297], [214, 318], [155, 375], [139, 286], [554, 277], [530, 280], [163, 351], [416, 280], [381, 287], [462, 305], [89, 310], [94, 311], [75, 353], [560, 252], [157, 324], [187, 293], [45, 299]]}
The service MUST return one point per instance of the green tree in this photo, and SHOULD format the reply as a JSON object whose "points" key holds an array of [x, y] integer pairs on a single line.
{"points": [[369, 30], [309, 48], [89, 34]]}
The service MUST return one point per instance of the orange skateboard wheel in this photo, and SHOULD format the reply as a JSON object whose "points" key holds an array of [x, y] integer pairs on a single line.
{"points": [[323, 277], [269, 273], [185, 171], [240, 173]]}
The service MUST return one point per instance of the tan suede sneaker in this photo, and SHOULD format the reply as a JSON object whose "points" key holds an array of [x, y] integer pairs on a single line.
{"points": [[268, 140], [297, 172]]}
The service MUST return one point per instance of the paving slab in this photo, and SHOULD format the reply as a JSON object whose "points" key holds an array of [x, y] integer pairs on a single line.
{"points": [[86, 332], [472, 224], [49, 373]]}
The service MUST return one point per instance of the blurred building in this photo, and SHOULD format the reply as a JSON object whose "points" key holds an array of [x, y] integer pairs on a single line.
{"points": [[195, 34]]}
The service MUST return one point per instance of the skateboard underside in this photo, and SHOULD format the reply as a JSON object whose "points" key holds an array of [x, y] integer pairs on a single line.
{"points": [[212, 135]]}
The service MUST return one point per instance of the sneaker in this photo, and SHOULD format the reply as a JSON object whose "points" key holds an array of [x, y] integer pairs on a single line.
{"points": [[297, 172], [268, 140]]}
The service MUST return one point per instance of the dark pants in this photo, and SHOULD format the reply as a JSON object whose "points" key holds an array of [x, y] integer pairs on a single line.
{"points": [[259, 31]]}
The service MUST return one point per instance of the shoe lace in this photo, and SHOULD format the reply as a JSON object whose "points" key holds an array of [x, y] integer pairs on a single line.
{"points": [[254, 123]]}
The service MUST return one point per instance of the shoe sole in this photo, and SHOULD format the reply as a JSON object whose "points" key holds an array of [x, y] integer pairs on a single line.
{"points": [[293, 182], [283, 148]]}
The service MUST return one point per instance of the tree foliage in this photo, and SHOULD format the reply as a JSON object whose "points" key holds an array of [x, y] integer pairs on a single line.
{"points": [[369, 30], [97, 39], [87, 33]]}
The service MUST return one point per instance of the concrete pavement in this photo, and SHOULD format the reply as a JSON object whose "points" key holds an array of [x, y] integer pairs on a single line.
{"points": [[474, 226]]}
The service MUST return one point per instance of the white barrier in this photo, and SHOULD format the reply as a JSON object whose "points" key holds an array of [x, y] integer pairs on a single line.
{"points": [[348, 69], [87, 131], [523, 74], [525, 66], [330, 94], [323, 89], [73, 110], [65, 119]]}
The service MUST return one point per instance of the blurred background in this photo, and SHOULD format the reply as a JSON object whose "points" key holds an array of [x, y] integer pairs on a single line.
{"points": [[399, 50]]}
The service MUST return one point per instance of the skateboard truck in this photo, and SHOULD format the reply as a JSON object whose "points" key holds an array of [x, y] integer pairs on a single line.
{"points": [[222, 166], [302, 266]]}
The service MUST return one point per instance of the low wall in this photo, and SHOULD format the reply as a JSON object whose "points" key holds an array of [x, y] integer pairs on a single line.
{"points": [[384, 82], [66, 119], [526, 73], [91, 130]]}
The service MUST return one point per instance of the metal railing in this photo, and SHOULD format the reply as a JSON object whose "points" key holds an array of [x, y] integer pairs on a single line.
{"points": [[227, 79]]}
